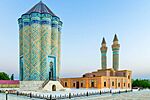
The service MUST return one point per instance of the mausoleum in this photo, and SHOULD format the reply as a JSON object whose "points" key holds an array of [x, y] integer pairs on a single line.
{"points": [[40, 45]]}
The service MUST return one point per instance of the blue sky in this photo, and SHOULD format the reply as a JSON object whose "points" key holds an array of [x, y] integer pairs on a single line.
{"points": [[85, 23]]}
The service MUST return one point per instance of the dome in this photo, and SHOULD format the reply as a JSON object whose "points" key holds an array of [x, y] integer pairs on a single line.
{"points": [[40, 8]]}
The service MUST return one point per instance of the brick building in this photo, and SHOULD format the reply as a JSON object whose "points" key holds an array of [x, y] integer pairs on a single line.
{"points": [[103, 78]]}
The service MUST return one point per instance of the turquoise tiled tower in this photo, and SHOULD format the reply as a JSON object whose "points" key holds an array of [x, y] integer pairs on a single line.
{"points": [[115, 49], [40, 44], [103, 54]]}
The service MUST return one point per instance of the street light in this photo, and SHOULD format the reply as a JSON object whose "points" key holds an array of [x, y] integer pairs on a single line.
{"points": [[6, 94]]}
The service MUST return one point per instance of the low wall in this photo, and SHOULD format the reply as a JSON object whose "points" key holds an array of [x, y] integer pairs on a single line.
{"points": [[30, 85], [9, 83]]}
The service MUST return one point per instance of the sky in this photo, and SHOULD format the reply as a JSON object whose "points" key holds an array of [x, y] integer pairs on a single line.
{"points": [[85, 23]]}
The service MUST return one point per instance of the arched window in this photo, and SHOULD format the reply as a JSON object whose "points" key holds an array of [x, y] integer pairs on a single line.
{"points": [[124, 84], [65, 84], [128, 85], [119, 84], [104, 84], [113, 83], [81, 84], [74, 84], [128, 76], [92, 84]]}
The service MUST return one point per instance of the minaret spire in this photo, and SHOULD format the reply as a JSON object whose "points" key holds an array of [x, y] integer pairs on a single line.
{"points": [[115, 38], [103, 41], [115, 49], [103, 54]]}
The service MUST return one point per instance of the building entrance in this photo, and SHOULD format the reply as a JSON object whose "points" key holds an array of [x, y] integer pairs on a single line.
{"points": [[92, 84], [54, 88], [77, 84], [52, 68]]}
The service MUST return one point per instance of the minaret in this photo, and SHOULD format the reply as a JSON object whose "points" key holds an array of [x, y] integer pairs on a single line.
{"points": [[103, 54], [115, 49]]}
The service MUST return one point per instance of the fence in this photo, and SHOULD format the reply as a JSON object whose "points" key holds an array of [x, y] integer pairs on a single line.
{"points": [[66, 96]]}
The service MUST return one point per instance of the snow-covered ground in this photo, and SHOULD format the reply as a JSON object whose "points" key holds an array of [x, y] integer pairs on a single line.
{"points": [[138, 95]]}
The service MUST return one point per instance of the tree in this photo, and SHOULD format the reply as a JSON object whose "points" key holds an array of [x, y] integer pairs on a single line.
{"points": [[141, 83], [4, 76]]}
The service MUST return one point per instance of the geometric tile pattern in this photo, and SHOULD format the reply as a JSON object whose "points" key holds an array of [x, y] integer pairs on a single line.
{"points": [[45, 49], [104, 60], [26, 52], [59, 54], [21, 40], [115, 49], [21, 50], [35, 51], [116, 59], [103, 54], [59, 48], [39, 38], [54, 42]]}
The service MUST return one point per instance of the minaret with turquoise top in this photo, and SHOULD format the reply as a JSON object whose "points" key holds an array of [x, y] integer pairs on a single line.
{"points": [[40, 44], [115, 49], [103, 54]]}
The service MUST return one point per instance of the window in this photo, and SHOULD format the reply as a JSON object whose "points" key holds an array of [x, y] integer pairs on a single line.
{"points": [[93, 75], [118, 84], [81, 84], [74, 84], [124, 84], [65, 84], [112, 83], [104, 84], [128, 85], [128, 76], [83, 75]]}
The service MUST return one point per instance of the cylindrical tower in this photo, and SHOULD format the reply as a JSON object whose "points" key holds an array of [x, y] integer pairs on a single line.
{"points": [[45, 45], [20, 47], [35, 46], [54, 44], [25, 60], [115, 49], [103, 54], [20, 36], [59, 48], [39, 31]]}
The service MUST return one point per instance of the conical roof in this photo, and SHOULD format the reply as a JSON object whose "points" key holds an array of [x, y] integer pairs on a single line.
{"points": [[115, 38], [40, 8], [103, 41]]}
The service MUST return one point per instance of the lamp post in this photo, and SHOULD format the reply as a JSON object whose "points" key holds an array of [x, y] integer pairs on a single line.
{"points": [[6, 94]]}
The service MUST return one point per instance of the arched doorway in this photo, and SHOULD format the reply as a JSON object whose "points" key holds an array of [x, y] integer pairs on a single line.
{"points": [[53, 87], [92, 84], [77, 84]]}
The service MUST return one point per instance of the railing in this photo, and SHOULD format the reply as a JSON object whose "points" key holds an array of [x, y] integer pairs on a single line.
{"points": [[61, 82], [45, 82], [66, 96]]}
